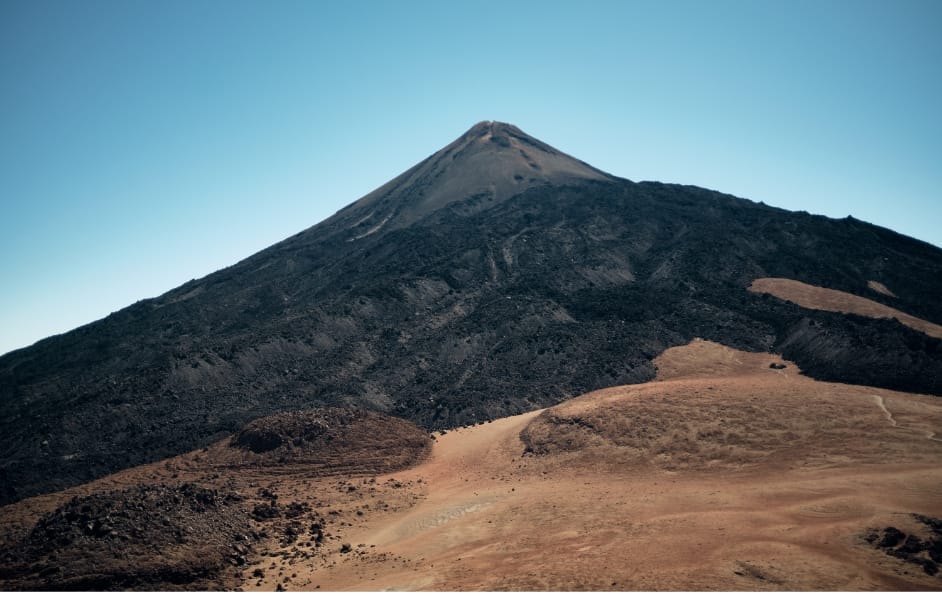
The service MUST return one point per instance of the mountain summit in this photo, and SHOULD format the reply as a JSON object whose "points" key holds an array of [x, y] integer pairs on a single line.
{"points": [[497, 276], [492, 161]]}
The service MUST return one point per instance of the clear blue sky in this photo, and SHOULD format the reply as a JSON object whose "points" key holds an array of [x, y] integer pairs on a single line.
{"points": [[143, 144]]}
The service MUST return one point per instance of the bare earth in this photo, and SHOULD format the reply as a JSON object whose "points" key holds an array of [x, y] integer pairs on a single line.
{"points": [[778, 493], [880, 288], [722, 474]]}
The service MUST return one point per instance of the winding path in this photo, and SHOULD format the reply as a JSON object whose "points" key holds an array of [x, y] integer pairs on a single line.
{"points": [[882, 405], [889, 416]]}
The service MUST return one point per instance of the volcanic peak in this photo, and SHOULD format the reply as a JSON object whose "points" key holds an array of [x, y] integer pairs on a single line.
{"points": [[488, 164]]}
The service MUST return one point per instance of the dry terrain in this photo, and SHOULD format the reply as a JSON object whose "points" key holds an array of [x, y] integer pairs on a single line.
{"points": [[725, 473], [722, 474]]}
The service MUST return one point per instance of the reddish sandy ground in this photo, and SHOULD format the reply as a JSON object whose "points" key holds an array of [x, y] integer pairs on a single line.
{"points": [[723, 474], [777, 494]]}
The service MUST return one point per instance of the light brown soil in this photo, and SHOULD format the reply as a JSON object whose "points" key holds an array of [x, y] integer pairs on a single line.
{"points": [[818, 298], [880, 288], [722, 474], [739, 477]]}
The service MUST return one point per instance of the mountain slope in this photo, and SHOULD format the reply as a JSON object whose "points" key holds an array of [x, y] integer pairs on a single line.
{"points": [[459, 293], [723, 473]]}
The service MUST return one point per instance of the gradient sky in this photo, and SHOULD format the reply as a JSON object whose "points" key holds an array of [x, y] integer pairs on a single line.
{"points": [[143, 144]]}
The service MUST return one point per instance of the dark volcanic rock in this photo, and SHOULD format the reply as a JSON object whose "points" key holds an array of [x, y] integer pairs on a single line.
{"points": [[143, 538], [891, 538], [930, 522], [263, 511], [495, 277], [332, 440], [923, 552]]}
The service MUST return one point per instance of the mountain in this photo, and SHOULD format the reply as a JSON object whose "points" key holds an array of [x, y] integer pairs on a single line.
{"points": [[493, 160], [497, 276]]}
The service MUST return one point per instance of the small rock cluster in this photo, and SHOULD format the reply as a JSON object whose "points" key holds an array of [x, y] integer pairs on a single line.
{"points": [[925, 552]]}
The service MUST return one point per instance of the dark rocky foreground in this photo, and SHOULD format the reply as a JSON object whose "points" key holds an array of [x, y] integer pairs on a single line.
{"points": [[144, 537], [190, 535], [483, 307], [922, 549]]}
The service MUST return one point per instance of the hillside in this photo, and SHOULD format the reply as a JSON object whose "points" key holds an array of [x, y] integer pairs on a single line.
{"points": [[724, 473], [194, 521], [496, 277]]}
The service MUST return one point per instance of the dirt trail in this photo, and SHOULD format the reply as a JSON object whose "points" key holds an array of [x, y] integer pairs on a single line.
{"points": [[460, 478], [882, 405], [466, 477]]}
